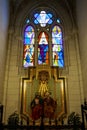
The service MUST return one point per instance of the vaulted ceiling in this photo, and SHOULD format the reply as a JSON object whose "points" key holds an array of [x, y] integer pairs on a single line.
{"points": [[17, 5]]}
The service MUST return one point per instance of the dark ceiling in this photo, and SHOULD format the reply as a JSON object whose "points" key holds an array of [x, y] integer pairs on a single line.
{"points": [[17, 5]]}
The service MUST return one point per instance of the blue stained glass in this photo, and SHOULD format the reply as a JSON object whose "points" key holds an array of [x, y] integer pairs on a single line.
{"points": [[57, 47], [58, 20], [57, 40], [27, 21], [61, 54], [28, 55], [58, 62], [56, 35], [47, 18], [50, 15], [28, 46], [28, 41], [42, 53], [29, 29], [58, 54], [36, 15], [43, 48], [35, 21], [43, 18], [61, 63], [29, 35], [50, 21]]}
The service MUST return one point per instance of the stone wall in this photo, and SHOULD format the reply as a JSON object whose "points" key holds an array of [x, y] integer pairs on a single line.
{"points": [[4, 18], [82, 32]]}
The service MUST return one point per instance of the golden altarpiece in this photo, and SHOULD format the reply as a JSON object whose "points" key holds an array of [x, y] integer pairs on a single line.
{"points": [[39, 81]]}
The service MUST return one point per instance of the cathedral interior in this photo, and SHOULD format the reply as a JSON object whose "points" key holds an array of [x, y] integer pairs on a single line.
{"points": [[43, 58]]}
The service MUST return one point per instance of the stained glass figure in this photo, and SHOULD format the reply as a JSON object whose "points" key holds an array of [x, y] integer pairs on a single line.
{"points": [[57, 47], [43, 48], [43, 18], [29, 35], [28, 46]]}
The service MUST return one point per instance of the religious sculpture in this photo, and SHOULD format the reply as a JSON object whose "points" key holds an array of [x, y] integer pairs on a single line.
{"points": [[43, 88], [49, 106], [37, 107], [43, 106]]}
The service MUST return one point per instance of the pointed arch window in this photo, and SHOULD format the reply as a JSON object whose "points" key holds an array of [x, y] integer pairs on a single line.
{"points": [[44, 41], [57, 47], [43, 48], [28, 49]]}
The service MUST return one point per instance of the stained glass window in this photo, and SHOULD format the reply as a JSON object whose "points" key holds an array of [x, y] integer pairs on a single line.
{"points": [[39, 45], [57, 47], [43, 18], [29, 36], [43, 48]]}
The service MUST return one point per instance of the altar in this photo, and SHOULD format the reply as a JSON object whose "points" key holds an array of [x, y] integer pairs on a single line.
{"points": [[43, 95]]}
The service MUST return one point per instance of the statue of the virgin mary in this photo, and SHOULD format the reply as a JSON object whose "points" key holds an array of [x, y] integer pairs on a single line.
{"points": [[43, 88]]}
